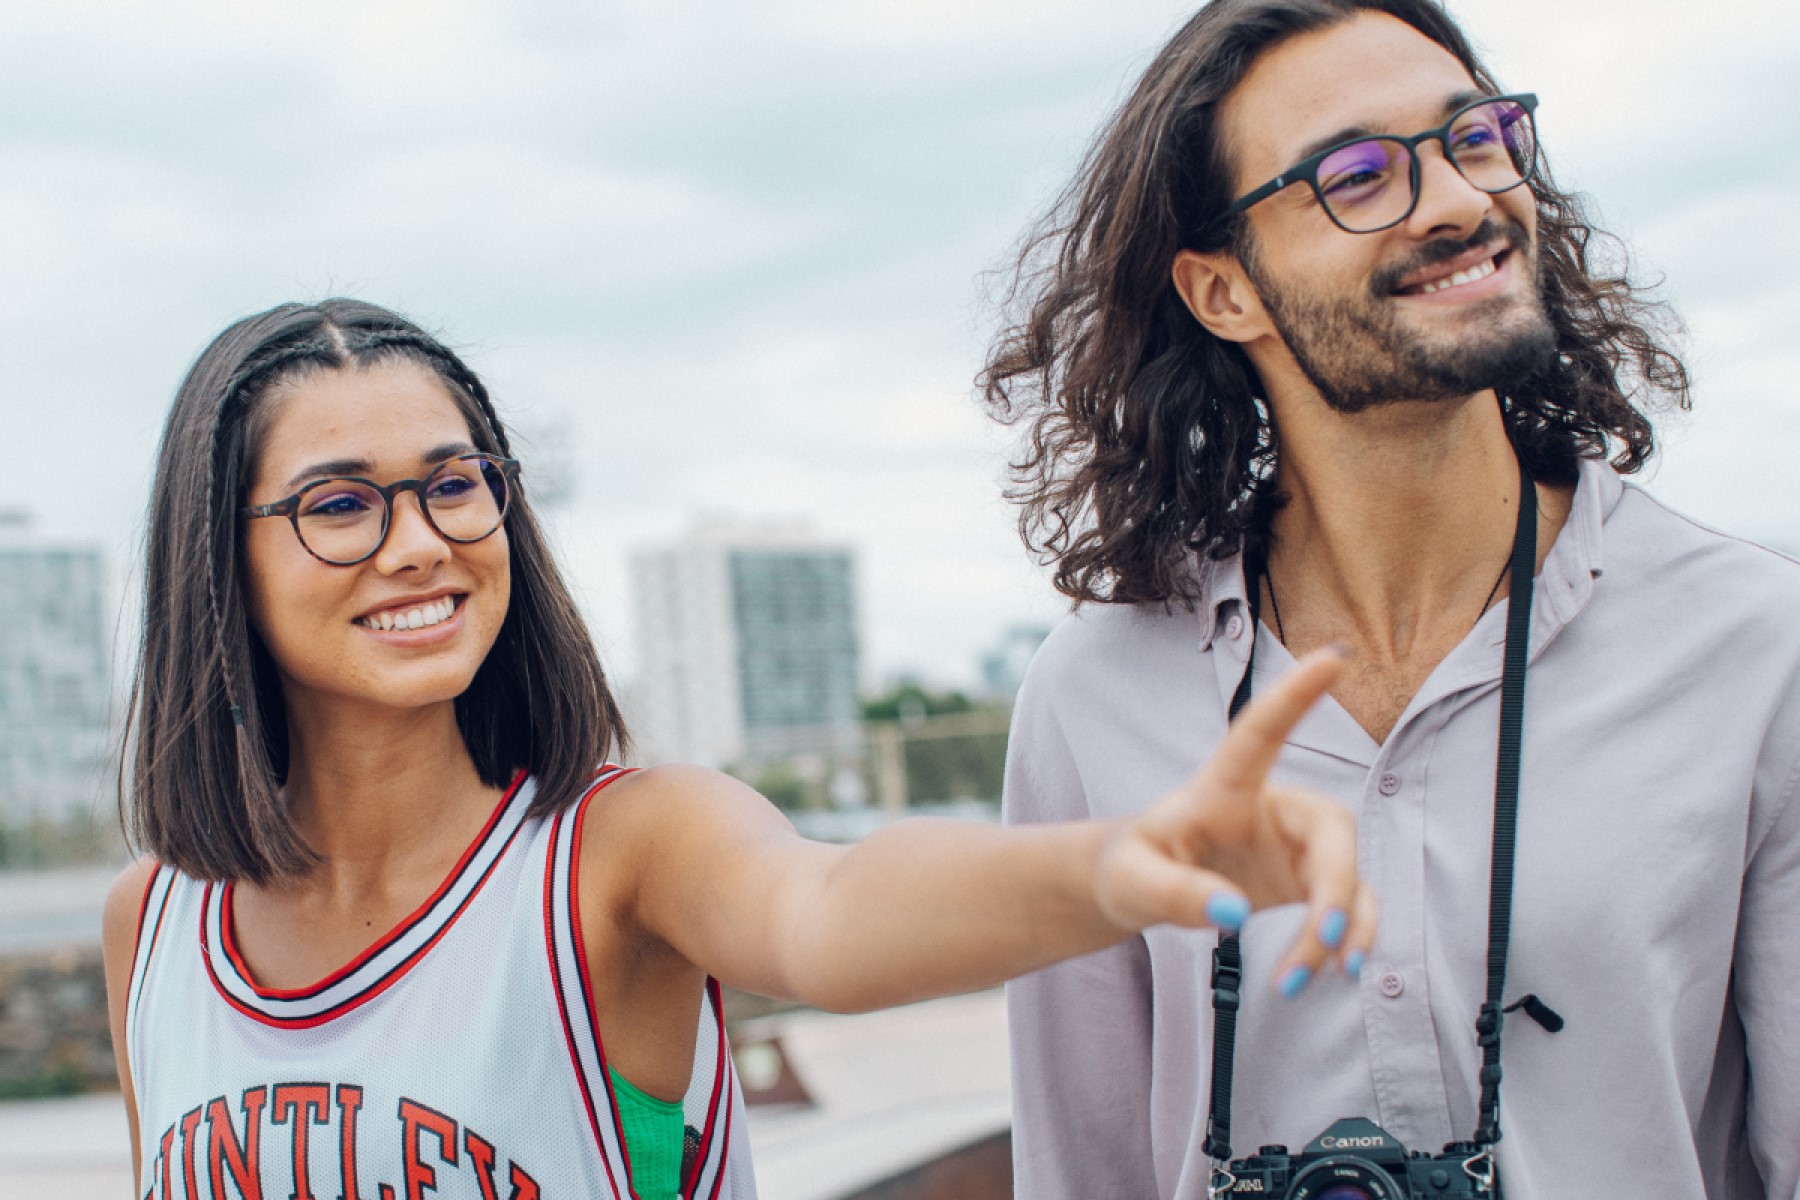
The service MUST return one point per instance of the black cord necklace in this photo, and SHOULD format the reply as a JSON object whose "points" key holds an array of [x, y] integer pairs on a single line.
{"points": [[1275, 608]]}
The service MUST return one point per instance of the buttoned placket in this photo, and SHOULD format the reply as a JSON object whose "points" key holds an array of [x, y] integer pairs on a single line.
{"points": [[1406, 1069], [1395, 988]]}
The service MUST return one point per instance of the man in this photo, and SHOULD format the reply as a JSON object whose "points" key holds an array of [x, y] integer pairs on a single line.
{"points": [[1313, 303]]}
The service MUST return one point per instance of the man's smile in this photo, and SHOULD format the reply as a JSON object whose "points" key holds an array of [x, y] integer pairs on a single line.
{"points": [[1457, 273]]}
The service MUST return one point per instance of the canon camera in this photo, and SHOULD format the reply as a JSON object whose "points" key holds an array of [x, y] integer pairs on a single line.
{"points": [[1356, 1159]]}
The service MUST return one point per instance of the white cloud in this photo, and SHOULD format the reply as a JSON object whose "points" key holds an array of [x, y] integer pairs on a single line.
{"points": [[736, 249]]}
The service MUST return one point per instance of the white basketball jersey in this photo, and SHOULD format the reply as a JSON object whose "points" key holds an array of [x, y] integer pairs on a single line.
{"points": [[458, 1057]]}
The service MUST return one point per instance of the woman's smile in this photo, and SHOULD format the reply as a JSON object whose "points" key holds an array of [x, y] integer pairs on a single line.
{"points": [[414, 615]]}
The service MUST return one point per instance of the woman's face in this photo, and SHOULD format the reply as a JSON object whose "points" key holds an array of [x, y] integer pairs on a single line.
{"points": [[322, 623]]}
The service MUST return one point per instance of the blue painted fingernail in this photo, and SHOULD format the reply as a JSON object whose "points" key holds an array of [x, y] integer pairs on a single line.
{"points": [[1227, 910], [1331, 928], [1294, 980], [1353, 963]]}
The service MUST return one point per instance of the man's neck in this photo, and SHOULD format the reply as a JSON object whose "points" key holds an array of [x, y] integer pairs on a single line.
{"points": [[1398, 525]]}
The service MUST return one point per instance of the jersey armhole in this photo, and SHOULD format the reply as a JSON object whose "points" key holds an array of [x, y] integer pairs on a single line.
{"points": [[569, 981]]}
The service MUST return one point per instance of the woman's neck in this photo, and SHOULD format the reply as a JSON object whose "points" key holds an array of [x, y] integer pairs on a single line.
{"points": [[380, 793]]}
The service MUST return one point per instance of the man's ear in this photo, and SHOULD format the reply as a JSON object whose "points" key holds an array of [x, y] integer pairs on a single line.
{"points": [[1220, 295]]}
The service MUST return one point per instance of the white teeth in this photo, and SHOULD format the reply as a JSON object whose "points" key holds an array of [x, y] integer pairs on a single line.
{"points": [[1480, 271], [437, 612]]}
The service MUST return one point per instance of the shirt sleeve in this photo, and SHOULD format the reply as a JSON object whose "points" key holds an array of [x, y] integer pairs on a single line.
{"points": [[1766, 973], [1080, 1031]]}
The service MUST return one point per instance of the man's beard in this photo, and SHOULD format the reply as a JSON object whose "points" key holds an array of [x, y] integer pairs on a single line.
{"points": [[1359, 354]]}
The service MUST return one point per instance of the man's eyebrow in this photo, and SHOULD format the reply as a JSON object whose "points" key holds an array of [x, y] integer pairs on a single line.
{"points": [[1318, 145], [362, 466], [1351, 133]]}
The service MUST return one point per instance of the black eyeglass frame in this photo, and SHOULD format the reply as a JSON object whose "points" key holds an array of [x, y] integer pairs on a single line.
{"points": [[1307, 169], [289, 506]]}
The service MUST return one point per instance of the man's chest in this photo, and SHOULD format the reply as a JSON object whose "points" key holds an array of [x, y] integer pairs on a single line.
{"points": [[1634, 814]]}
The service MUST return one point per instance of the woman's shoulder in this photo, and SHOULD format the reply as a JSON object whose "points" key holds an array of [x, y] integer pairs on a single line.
{"points": [[125, 905], [663, 792], [670, 817]]}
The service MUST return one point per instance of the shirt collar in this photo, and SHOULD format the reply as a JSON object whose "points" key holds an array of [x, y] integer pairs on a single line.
{"points": [[1579, 556], [1222, 593]]}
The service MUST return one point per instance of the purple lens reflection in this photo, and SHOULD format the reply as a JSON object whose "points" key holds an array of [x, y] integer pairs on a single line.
{"points": [[1366, 184], [1492, 145]]}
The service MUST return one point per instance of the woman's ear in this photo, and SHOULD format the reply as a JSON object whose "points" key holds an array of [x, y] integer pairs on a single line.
{"points": [[1219, 293]]}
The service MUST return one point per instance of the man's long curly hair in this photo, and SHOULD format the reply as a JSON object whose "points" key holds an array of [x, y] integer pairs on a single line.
{"points": [[1146, 439]]}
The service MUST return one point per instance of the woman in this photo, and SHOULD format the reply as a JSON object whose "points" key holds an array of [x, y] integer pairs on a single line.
{"points": [[398, 935]]}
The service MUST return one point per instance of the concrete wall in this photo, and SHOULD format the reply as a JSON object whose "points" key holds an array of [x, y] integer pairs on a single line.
{"points": [[53, 1030]]}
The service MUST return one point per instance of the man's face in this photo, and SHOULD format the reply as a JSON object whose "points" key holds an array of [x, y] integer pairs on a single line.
{"points": [[1372, 318]]}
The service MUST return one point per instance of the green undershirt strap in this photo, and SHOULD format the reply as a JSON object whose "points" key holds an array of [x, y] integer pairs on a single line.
{"points": [[653, 1139]]}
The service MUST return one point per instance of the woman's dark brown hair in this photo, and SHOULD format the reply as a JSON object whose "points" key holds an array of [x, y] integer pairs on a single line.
{"points": [[1146, 442], [207, 739]]}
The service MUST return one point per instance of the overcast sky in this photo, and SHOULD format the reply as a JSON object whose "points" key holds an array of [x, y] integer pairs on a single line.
{"points": [[725, 257]]}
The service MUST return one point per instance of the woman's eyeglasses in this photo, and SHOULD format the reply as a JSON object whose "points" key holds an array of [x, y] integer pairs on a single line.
{"points": [[343, 520]]}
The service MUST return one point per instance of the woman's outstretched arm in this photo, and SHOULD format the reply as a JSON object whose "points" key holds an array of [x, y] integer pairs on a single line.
{"points": [[925, 908]]}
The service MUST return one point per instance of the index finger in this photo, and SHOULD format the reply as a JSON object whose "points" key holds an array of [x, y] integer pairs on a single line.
{"points": [[1255, 738]]}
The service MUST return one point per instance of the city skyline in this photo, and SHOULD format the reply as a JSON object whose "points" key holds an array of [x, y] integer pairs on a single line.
{"points": [[56, 693], [711, 259]]}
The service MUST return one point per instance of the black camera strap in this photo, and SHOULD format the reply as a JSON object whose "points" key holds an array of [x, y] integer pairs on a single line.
{"points": [[1228, 967]]}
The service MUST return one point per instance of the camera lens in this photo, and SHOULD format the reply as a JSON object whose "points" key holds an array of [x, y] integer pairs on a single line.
{"points": [[1344, 1177]]}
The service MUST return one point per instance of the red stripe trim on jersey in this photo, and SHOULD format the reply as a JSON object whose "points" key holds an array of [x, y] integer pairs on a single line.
{"points": [[137, 935], [141, 969], [724, 1154], [578, 815], [720, 1079], [405, 926], [562, 1009], [376, 986]]}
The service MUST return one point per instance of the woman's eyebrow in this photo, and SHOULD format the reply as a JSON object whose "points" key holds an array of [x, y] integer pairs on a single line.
{"points": [[447, 451], [337, 466], [363, 466]]}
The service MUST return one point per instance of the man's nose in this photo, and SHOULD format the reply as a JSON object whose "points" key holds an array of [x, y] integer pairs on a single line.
{"points": [[1447, 201]]}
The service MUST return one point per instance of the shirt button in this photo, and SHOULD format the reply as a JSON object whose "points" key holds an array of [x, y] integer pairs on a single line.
{"points": [[1389, 784], [1392, 984], [1234, 627]]}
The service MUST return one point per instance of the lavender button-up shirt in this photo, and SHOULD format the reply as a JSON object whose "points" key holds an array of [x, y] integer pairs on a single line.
{"points": [[1657, 901]]}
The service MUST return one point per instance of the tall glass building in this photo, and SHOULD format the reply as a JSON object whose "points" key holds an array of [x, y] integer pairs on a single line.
{"points": [[747, 644], [55, 676]]}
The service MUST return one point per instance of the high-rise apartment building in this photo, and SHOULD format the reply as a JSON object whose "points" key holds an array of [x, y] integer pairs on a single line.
{"points": [[55, 675], [747, 644]]}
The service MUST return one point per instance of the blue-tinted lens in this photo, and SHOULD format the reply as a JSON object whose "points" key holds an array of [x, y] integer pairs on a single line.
{"points": [[467, 497], [1367, 184], [1493, 145], [340, 520]]}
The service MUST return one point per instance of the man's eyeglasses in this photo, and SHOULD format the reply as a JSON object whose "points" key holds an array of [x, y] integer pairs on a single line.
{"points": [[1372, 183], [343, 520]]}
